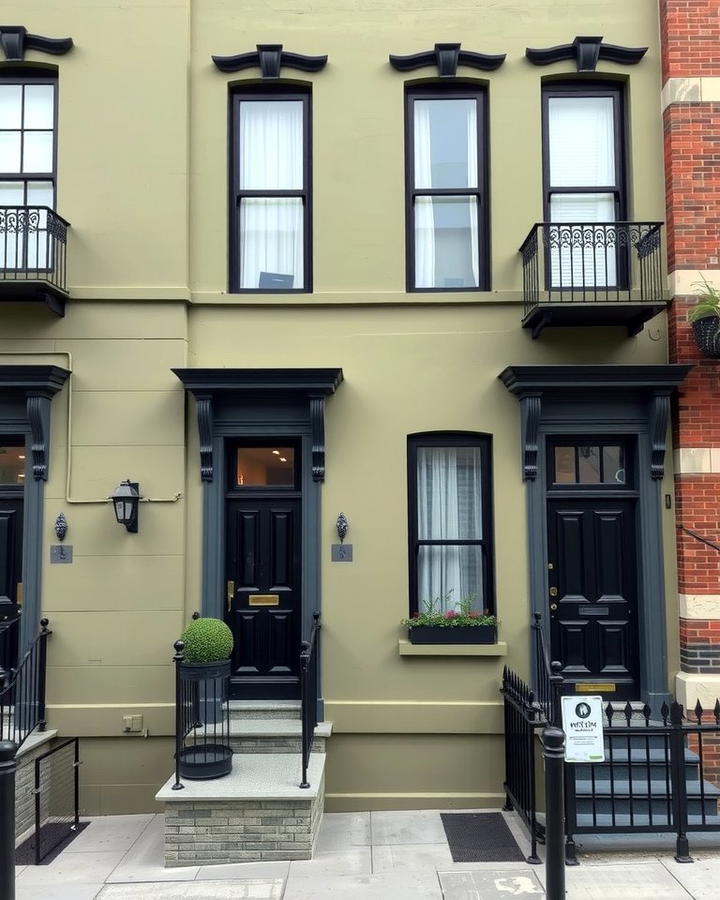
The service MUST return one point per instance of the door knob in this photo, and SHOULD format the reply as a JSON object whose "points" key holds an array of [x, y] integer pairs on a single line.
{"points": [[553, 607]]}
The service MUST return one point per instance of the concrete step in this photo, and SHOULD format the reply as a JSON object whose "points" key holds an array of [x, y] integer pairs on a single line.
{"points": [[602, 797], [656, 759], [271, 735], [621, 820], [264, 709]]}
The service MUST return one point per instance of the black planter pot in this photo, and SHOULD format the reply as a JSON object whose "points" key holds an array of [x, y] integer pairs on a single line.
{"points": [[205, 752], [457, 634], [707, 335]]}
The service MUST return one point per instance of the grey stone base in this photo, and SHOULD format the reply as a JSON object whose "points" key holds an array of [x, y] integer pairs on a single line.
{"points": [[273, 744], [206, 832]]}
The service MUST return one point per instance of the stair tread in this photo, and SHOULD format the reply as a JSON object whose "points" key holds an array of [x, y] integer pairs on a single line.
{"points": [[641, 754], [620, 786], [607, 820], [262, 776], [272, 728], [264, 704]]}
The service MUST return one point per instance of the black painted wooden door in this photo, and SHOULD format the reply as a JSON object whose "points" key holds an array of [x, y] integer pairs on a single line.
{"points": [[264, 596], [592, 594]]}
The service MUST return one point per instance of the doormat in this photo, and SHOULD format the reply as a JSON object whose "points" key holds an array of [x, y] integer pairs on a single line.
{"points": [[480, 837], [54, 838]]}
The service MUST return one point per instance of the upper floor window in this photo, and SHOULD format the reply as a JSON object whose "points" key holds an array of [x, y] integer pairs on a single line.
{"points": [[270, 239], [28, 117], [450, 528], [447, 247], [584, 179]]}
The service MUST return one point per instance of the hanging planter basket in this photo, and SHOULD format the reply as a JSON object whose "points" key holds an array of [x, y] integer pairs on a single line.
{"points": [[707, 335]]}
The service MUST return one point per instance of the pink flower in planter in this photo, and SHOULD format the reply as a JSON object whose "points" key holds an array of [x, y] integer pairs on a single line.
{"points": [[450, 614]]}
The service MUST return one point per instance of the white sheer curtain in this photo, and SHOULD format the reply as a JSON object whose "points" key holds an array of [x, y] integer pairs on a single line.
{"points": [[449, 494], [271, 158], [446, 228], [581, 133]]}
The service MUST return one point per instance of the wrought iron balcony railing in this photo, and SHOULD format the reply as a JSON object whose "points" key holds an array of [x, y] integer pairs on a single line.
{"points": [[593, 273], [33, 244]]}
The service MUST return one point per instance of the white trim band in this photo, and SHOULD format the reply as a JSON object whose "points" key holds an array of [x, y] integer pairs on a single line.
{"points": [[699, 606], [704, 89], [689, 688], [685, 281], [697, 461]]}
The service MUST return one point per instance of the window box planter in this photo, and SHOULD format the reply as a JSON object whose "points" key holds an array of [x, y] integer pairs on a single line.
{"points": [[457, 634], [707, 335]]}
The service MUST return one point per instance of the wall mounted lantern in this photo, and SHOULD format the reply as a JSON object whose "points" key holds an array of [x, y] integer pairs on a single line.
{"points": [[126, 500]]}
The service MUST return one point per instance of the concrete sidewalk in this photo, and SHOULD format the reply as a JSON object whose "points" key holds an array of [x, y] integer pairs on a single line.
{"points": [[364, 856]]}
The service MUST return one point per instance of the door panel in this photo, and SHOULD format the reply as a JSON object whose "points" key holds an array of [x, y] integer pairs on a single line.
{"points": [[11, 547], [263, 561], [593, 593]]}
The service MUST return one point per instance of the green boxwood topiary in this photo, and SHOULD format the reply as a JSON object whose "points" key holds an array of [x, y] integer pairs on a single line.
{"points": [[207, 640]]}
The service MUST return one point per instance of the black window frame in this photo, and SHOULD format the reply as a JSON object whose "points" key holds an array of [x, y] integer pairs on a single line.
{"points": [[11, 75], [261, 93], [452, 439], [554, 89], [458, 90]]}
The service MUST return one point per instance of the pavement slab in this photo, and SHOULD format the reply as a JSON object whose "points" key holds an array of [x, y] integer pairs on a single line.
{"points": [[74, 891], [253, 889], [487, 884], [392, 886]]}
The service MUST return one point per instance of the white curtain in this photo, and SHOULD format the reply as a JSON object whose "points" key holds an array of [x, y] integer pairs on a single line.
{"points": [[581, 133], [436, 165], [449, 507], [271, 158]]}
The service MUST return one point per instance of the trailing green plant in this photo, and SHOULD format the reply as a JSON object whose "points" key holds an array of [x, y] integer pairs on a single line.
{"points": [[708, 301], [207, 640], [436, 614]]}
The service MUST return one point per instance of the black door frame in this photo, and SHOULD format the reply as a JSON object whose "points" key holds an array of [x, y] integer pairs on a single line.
{"points": [[601, 400]]}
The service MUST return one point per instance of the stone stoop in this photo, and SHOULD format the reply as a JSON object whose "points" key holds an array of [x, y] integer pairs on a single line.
{"points": [[258, 812]]}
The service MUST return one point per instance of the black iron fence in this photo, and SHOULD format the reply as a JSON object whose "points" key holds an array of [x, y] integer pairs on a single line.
{"points": [[22, 692], [57, 797], [523, 716], [309, 662], [202, 719], [33, 242], [586, 262], [548, 680]]}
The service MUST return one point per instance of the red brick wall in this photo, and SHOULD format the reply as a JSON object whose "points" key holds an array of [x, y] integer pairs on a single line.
{"points": [[689, 30], [690, 43]]}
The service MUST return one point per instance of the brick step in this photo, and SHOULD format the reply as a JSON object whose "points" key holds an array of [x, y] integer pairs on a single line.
{"points": [[271, 735], [264, 709]]}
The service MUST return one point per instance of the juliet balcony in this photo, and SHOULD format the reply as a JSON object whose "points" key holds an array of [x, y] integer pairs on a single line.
{"points": [[590, 273], [33, 245]]}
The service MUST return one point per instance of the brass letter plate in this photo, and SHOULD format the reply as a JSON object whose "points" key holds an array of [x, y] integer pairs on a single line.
{"points": [[264, 600], [595, 688]]}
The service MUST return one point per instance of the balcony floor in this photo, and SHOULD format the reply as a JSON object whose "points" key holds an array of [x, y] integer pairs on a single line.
{"points": [[632, 316], [21, 290]]}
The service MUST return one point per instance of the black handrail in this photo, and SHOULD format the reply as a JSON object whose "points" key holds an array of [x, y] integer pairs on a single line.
{"points": [[33, 243], [548, 680], [309, 693], [22, 692]]}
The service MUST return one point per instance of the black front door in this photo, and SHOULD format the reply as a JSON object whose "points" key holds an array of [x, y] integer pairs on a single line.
{"points": [[592, 586], [264, 596], [11, 548]]}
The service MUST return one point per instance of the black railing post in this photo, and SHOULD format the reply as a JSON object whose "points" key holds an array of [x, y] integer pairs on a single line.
{"points": [[304, 665], [679, 787], [8, 764], [42, 673], [553, 741], [556, 683], [177, 659]]}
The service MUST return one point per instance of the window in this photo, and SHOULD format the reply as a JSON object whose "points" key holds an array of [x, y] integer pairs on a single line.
{"points": [[270, 221], [450, 508], [447, 247], [584, 181], [28, 117], [590, 463], [12, 461]]}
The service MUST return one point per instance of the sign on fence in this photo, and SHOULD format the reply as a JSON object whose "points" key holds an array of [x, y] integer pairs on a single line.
{"points": [[582, 722]]}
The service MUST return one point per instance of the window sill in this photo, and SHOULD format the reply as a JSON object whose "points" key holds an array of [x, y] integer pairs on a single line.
{"points": [[405, 648]]}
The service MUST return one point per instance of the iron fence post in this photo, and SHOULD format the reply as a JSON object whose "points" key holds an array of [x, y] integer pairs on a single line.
{"points": [[304, 660], [42, 674], [76, 784], [679, 787], [177, 659], [8, 765], [553, 740]]}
